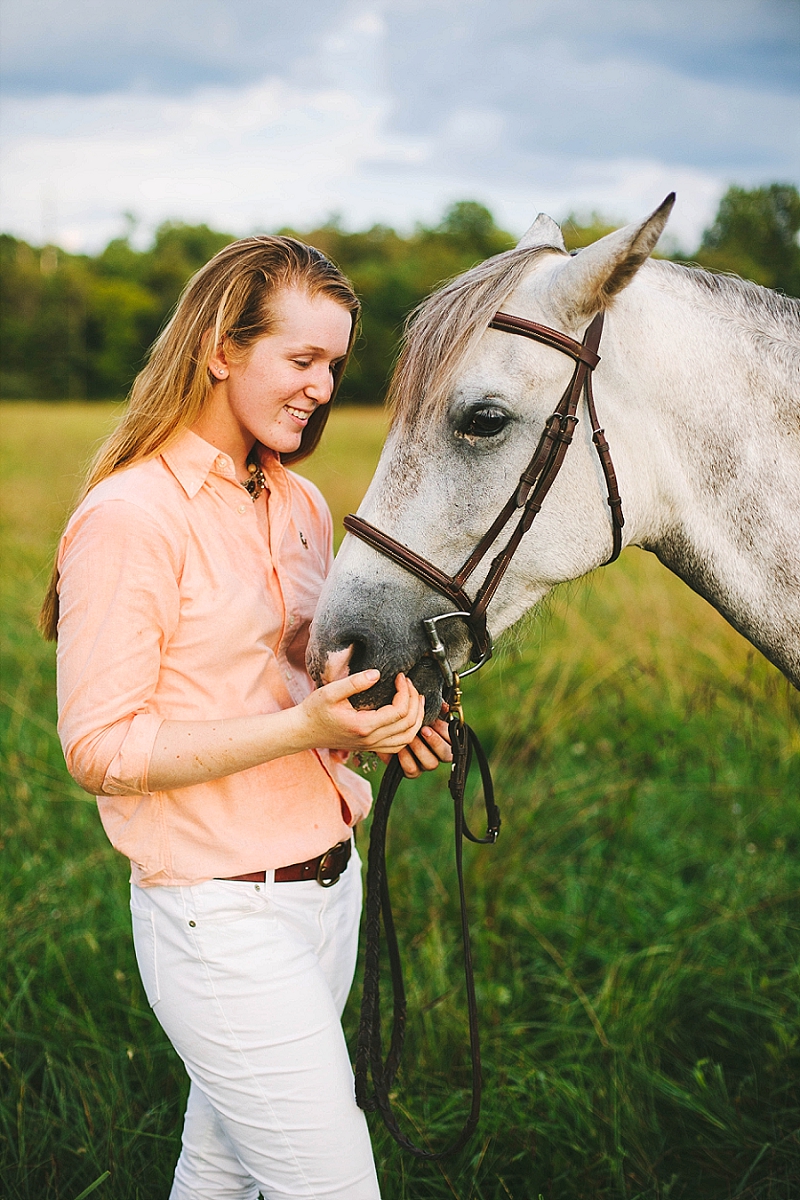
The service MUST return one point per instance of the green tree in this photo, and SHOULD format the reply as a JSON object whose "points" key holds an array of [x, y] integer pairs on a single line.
{"points": [[121, 319], [178, 251], [78, 326], [471, 227], [42, 316], [754, 234], [579, 232]]}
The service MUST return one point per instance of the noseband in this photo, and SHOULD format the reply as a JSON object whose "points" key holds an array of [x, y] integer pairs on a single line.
{"points": [[534, 484]]}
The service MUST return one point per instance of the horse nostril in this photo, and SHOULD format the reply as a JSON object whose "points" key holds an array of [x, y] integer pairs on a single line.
{"points": [[337, 665], [356, 654], [361, 658]]}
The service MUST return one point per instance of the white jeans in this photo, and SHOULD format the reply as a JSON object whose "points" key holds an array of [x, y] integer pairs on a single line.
{"points": [[249, 982]]}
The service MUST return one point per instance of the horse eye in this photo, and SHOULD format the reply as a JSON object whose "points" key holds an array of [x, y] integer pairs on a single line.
{"points": [[485, 422]]}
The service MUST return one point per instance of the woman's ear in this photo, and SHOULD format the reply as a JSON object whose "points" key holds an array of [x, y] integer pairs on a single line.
{"points": [[218, 363]]}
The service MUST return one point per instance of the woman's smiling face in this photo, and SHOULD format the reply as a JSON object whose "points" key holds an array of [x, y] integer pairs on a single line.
{"points": [[268, 395]]}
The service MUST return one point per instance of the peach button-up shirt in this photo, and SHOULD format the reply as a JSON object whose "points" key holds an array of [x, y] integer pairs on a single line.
{"points": [[182, 599]]}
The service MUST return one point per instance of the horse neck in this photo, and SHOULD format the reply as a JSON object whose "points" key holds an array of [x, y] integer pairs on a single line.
{"points": [[711, 435]]}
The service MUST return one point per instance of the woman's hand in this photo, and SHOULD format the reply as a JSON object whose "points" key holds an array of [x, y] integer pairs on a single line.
{"points": [[332, 722], [427, 750], [394, 729]]}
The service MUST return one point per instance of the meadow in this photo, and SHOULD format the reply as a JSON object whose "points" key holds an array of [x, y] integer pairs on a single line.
{"points": [[636, 927]]}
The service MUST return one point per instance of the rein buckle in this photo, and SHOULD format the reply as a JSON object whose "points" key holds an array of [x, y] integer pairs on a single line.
{"points": [[456, 713]]}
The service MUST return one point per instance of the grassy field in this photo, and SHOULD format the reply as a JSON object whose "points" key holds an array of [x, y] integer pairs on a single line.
{"points": [[636, 927]]}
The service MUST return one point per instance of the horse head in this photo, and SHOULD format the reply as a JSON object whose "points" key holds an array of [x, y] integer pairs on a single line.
{"points": [[469, 405]]}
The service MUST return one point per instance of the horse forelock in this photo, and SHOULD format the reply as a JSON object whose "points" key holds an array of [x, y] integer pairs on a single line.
{"points": [[442, 331]]}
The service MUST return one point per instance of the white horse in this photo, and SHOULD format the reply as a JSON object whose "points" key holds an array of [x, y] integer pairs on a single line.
{"points": [[698, 389]]}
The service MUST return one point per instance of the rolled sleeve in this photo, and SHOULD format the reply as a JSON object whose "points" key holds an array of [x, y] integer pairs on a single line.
{"points": [[119, 604], [127, 775]]}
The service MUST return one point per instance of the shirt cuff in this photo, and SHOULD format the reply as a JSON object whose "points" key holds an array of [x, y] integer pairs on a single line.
{"points": [[127, 772]]}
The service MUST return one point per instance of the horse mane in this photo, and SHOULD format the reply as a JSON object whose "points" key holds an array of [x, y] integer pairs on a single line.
{"points": [[770, 319], [444, 328]]}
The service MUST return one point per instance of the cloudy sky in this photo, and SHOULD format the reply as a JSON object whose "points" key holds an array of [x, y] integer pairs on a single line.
{"points": [[249, 114]]}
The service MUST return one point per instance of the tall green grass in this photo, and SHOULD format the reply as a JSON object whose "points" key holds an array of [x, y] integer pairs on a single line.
{"points": [[636, 927]]}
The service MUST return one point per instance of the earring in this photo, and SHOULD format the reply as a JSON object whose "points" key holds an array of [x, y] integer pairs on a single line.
{"points": [[221, 373]]}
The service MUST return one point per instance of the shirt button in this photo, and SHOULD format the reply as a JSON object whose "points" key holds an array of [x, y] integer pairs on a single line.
{"points": [[192, 924], [222, 463], [242, 508], [288, 674], [291, 620]]}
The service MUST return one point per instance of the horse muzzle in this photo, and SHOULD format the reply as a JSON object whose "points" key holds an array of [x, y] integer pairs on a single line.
{"points": [[386, 633]]}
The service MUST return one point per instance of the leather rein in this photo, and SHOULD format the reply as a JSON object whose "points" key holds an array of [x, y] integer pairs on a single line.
{"points": [[527, 499]]}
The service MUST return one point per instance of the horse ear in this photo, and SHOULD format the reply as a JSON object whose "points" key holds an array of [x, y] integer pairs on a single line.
{"points": [[543, 232], [591, 279]]}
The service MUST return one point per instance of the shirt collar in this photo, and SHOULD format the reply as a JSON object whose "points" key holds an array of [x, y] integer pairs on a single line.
{"points": [[191, 460]]}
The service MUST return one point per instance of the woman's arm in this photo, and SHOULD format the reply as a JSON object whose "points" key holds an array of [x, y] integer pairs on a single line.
{"points": [[190, 752]]}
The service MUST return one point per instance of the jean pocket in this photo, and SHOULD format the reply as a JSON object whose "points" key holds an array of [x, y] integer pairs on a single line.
{"points": [[144, 943], [223, 900]]}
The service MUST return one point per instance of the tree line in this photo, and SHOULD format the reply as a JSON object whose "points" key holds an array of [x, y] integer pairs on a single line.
{"points": [[77, 326]]}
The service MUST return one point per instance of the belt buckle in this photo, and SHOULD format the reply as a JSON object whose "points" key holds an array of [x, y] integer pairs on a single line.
{"points": [[324, 862]]}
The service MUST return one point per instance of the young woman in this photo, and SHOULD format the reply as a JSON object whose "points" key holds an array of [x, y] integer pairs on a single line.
{"points": [[182, 597]]}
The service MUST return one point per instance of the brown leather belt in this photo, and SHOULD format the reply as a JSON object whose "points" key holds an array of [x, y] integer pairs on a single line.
{"points": [[325, 868]]}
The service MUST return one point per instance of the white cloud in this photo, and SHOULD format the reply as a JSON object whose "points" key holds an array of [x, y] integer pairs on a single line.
{"points": [[277, 154], [239, 158], [530, 121]]}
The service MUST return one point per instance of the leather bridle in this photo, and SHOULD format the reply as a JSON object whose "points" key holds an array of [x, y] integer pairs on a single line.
{"points": [[534, 484]]}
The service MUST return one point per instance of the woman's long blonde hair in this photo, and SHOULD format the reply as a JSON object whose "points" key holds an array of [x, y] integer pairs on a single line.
{"points": [[230, 301]]}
